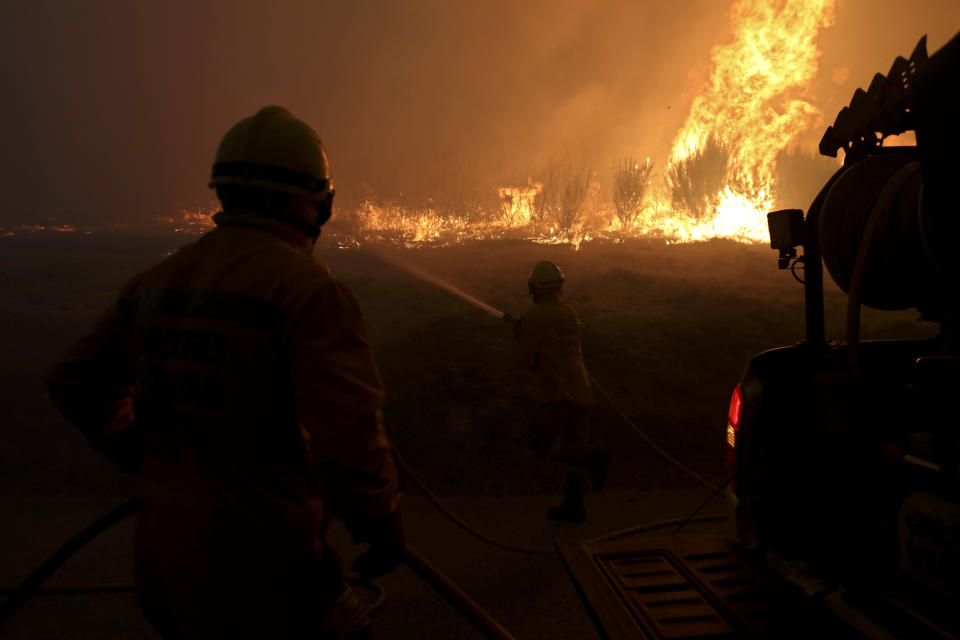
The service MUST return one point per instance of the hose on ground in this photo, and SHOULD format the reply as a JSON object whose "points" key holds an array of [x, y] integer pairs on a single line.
{"points": [[433, 576], [33, 582], [703, 504], [491, 629], [463, 603], [653, 445], [452, 517], [623, 533], [379, 593]]}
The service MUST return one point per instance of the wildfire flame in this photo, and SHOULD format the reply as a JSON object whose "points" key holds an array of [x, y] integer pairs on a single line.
{"points": [[752, 108], [189, 221], [185, 221], [9, 232], [518, 204], [719, 179], [752, 105]]}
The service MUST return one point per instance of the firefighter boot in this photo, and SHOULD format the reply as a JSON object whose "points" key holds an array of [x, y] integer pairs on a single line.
{"points": [[572, 509]]}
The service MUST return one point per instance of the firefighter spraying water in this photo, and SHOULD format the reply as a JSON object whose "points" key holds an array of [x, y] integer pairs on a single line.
{"points": [[549, 336]]}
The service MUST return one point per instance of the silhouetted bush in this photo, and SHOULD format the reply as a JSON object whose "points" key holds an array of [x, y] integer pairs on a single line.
{"points": [[559, 203], [630, 182], [696, 181]]}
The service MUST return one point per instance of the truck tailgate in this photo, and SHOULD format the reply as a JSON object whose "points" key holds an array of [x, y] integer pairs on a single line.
{"points": [[694, 586]]}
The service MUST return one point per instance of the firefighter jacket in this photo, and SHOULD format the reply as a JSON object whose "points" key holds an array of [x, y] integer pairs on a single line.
{"points": [[549, 337], [236, 374]]}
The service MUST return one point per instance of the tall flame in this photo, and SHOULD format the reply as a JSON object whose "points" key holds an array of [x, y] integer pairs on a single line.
{"points": [[753, 108]]}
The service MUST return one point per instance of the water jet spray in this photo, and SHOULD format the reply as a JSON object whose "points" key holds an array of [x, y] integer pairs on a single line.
{"points": [[443, 284], [428, 277]]}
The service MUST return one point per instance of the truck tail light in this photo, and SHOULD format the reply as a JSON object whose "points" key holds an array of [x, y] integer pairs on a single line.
{"points": [[733, 430]]}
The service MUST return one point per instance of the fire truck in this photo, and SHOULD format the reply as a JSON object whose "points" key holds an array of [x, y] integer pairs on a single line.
{"points": [[843, 454]]}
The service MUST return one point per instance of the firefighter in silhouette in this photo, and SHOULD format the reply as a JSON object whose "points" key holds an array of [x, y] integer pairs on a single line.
{"points": [[549, 336], [236, 378]]}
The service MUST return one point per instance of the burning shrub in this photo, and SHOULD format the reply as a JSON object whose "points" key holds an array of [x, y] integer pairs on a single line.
{"points": [[630, 182], [560, 201], [517, 204], [697, 180]]}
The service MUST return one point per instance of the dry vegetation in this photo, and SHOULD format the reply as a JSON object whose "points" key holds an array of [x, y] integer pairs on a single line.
{"points": [[562, 199], [631, 181], [449, 206], [695, 182], [559, 205], [570, 201]]}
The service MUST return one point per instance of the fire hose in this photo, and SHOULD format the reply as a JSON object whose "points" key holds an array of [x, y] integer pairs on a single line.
{"points": [[467, 607], [433, 576], [660, 451], [420, 565], [474, 613]]}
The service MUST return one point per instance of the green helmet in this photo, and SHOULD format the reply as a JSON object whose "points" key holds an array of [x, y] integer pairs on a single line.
{"points": [[274, 150]]}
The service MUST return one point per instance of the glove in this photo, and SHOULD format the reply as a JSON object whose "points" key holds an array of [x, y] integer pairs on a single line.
{"points": [[387, 550]]}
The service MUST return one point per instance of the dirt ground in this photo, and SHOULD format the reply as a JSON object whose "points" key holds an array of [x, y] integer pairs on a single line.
{"points": [[667, 332]]}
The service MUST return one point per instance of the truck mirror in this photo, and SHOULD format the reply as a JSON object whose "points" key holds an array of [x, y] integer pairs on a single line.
{"points": [[787, 232]]}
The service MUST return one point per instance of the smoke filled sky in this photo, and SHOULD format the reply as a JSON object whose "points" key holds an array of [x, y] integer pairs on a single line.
{"points": [[113, 109]]}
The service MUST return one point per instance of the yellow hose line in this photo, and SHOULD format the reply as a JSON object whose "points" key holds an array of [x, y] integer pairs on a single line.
{"points": [[119, 587], [534, 550], [653, 445], [623, 533], [452, 517], [463, 603]]}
